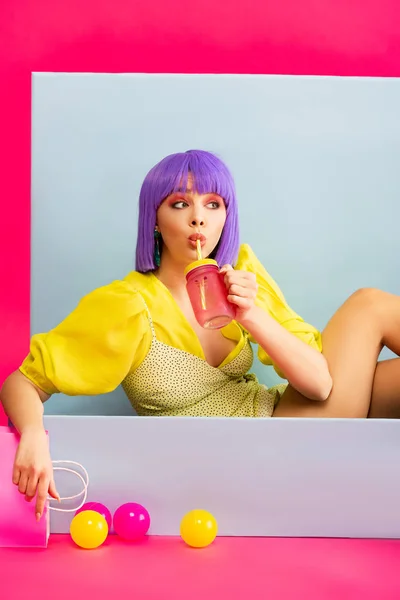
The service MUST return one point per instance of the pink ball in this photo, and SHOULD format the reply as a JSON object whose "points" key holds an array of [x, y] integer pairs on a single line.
{"points": [[131, 521], [99, 508]]}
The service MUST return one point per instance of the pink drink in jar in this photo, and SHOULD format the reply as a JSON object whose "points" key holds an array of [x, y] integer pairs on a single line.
{"points": [[208, 294]]}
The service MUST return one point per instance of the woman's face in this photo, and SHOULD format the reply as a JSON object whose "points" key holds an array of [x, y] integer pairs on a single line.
{"points": [[185, 216]]}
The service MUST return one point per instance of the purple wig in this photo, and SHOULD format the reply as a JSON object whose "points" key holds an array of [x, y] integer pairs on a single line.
{"points": [[170, 175]]}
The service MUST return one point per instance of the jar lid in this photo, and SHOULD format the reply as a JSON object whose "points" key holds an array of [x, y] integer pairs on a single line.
{"points": [[200, 263]]}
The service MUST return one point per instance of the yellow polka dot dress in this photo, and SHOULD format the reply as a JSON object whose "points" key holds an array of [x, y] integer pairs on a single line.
{"points": [[172, 382]]}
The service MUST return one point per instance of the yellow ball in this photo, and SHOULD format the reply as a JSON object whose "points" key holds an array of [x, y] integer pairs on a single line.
{"points": [[198, 528], [89, 529]]}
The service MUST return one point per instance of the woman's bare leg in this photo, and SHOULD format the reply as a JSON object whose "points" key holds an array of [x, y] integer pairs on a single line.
{"points": [[385, 402], [352, 342]]}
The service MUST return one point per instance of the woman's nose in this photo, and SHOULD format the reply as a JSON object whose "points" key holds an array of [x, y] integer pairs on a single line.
{"points": [[198, 222]]}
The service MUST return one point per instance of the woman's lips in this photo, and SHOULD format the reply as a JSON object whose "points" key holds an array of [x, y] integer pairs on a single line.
{"points": [[197, 236]]}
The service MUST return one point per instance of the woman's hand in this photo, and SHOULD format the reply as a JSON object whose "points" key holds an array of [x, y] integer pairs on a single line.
{"points": [[304, 367], [33, 469], [242, 290]]}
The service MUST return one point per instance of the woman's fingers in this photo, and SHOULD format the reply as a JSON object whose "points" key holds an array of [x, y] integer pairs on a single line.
{"points": [[31, 487], [241, 291], [243, 303], [53, 490], [42, 493], [23, 482]]}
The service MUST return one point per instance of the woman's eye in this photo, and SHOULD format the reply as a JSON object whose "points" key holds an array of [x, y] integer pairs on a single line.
{"points": [[214, 204], [179, 204]]}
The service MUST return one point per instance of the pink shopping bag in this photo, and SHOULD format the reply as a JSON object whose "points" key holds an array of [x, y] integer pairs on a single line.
{"points": [[18, 525]]}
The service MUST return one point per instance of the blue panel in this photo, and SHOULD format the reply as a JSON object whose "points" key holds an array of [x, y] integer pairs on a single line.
{"points": [[316, 161]]}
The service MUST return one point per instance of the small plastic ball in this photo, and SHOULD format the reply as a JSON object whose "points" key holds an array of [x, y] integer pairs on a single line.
{"points": [[198, 528], [89, 529], [97, 507], [131, 521]]}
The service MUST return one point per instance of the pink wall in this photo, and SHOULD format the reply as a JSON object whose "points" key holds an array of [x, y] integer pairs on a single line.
{"points": [[330, 37]]}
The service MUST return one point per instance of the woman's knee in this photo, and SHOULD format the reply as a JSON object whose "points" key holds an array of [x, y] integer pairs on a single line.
{"points": [[369, 308], [367, 294], [369, 299]]}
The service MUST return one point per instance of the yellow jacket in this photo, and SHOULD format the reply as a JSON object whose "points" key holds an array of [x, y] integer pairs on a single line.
{"points": [[108, 334]]}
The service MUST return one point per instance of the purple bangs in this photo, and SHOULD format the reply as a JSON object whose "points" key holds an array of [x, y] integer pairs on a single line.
{"points": [[170, 175]]}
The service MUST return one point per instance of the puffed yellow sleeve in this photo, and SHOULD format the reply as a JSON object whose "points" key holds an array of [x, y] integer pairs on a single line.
{"points": [[271, 299], [93, 349]]}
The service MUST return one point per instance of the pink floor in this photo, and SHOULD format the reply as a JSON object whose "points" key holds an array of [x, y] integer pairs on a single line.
{"points": [[161, 568]]}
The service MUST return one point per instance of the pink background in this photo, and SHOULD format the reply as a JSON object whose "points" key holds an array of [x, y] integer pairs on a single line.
{"points": [[235, 568], [330, 37]]}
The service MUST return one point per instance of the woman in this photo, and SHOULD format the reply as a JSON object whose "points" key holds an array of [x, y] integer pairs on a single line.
{"points": [[141, 332]]}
